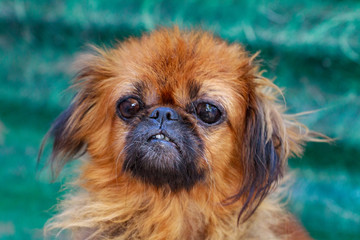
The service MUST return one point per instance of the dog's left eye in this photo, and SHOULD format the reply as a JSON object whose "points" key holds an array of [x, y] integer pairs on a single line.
{"points": [[128, 108], [208, 113]]}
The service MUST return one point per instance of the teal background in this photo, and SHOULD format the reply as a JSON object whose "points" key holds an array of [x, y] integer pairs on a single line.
{"points": [[312, 47]]}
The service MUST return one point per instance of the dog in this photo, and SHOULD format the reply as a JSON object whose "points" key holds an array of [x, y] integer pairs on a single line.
{"points": [[181, 137]]}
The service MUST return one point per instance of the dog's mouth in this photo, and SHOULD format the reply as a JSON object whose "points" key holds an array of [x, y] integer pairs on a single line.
{"points": [[164, 143], [161, 137], [164, 157]]}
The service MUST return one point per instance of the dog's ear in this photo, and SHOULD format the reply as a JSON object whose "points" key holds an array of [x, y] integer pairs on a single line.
{"points": [[68, 140], [264, 149], [83, 117], [268, 138]]}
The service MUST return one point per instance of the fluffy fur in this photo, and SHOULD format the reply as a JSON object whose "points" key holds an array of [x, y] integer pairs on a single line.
{"points": [[239, 161]]}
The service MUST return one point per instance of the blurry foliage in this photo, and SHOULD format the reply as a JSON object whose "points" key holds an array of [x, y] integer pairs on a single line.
{"points": [[312, 47]]}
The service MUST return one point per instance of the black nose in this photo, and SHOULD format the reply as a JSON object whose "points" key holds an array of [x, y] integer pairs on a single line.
{"points": [[163, 114]]}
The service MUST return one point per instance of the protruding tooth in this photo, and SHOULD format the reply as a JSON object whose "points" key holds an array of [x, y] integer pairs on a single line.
{"points": [[159, 136], [167, 139]]}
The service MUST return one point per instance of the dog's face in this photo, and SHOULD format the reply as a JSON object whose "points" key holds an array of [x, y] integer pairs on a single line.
{"points": [[176, 110]]}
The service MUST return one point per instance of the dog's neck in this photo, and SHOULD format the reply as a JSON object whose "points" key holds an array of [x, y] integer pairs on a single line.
{"points": [[134, 211]]}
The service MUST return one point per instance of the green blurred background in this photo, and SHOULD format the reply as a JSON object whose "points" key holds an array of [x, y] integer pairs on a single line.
{"points": [[312, 47]]}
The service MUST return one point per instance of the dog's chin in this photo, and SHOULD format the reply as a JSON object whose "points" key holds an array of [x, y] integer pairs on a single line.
{"points": [[164, 158], [160, 155]]}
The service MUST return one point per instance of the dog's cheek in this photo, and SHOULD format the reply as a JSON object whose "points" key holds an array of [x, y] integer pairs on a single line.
{"points": [[103, 143], [103, 168], [222, 159], [117, 139]]}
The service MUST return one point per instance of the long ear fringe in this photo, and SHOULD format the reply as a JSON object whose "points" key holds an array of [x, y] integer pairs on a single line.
{"points": [[68, 129], [66, 146], [270, 138]]}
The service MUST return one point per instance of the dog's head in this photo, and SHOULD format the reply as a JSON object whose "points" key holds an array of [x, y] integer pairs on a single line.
{"points": [[178, 111]]}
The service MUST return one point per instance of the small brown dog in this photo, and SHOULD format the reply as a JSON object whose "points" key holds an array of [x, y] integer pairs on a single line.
{"points": [[184, 139]]}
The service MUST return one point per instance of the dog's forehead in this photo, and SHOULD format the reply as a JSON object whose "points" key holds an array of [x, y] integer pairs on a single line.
{"points": [[177, 68], [176, 87], [182, 67]]}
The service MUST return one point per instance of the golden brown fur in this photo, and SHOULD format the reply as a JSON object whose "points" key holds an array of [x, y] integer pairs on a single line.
{"points": [[244, 157]]}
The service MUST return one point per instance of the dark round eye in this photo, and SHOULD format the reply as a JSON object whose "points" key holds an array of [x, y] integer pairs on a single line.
{"points": [[128, 108], [208, 113]]}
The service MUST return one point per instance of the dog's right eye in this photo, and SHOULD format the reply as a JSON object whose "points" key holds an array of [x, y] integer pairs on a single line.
{"points": [[128, 107], [208, 113]]}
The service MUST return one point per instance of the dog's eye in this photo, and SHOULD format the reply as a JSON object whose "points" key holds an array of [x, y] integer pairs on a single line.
{"points": [[128, 108], [208, 113]]}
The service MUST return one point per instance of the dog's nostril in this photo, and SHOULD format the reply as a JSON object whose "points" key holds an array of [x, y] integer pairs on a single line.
{"points": [[168, 116], [154, 114]]}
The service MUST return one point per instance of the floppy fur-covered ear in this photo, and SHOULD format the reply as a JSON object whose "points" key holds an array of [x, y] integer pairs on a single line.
{"points": [[269, 138], [67, 144], [66, 131], [83, 117], [264, 147]]}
